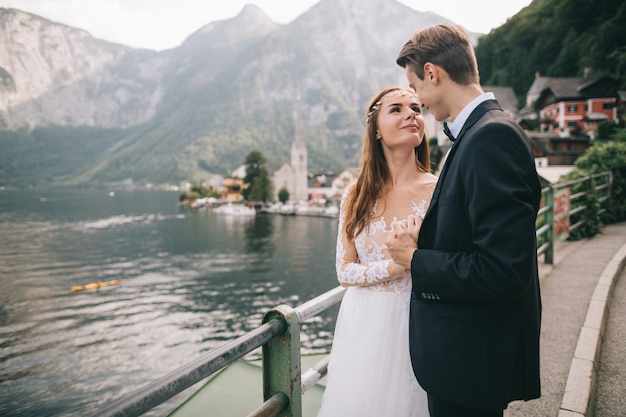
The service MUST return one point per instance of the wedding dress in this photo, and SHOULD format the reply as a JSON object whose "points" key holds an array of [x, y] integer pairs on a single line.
{"points": [[370, 372]]}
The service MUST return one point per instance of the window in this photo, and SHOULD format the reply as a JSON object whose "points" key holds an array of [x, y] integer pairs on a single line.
{"points": [[572, 123], [572, 108], [607, 106]]}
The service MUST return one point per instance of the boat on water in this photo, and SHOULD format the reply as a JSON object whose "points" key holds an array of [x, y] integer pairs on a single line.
{"points": [[235, 210], [95, 285]]}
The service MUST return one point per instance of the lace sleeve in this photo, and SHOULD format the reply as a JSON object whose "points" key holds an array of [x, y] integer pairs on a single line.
{"points": [[350, 270]]}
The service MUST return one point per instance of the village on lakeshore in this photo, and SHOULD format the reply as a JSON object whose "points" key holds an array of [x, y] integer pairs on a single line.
{"points": [[572, 113]]}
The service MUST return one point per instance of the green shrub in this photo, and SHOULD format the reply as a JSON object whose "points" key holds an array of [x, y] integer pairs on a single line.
{"points": [[607, 157], [192, 195], [606, 129], [619, 136], [591, 215], [585, 205], [283, 195]]}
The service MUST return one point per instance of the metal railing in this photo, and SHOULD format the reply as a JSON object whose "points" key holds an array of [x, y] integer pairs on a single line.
{"points": [[283, 385], [563, 201], [279, 334]]}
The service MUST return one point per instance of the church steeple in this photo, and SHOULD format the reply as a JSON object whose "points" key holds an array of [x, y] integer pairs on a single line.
{"points": [[299, 157]]}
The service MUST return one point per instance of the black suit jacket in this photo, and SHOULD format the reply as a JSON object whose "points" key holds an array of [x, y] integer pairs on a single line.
{"points": [[476, 307]]}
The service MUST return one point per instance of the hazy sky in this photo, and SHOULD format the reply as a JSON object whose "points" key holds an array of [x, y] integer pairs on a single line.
{"points": [[163, 24]]}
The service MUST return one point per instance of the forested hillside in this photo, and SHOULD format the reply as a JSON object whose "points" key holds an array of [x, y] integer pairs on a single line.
{"points": [[556, 38]]}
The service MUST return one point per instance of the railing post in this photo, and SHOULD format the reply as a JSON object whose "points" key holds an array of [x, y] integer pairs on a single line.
{"points": [[281, 362], [548, 256], [590, 193], [609, 179]]}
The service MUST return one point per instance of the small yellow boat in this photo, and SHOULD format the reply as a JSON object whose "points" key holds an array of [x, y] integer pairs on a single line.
{"points": [[95, 285]]}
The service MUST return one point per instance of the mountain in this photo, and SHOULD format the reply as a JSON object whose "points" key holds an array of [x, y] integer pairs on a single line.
{"points": [[556, 38], [51, 73], [80, 111]]}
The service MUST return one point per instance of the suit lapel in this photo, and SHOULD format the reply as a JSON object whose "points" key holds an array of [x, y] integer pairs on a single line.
{"points": [[478, 112], [476, 115], [444, 171]]}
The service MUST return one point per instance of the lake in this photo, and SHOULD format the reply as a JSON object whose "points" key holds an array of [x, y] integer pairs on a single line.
{"points": [[191, 280]]}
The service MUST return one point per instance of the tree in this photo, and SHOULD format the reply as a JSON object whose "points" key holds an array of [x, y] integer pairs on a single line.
{"points": [[257, 178], [261, 189], [283, 195], [619, 136], [567, 62], [606, 128], [556, 38]]}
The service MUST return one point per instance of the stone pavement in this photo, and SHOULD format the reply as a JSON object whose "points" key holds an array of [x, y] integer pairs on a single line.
{"points": [[611, 386], [583, 335]]}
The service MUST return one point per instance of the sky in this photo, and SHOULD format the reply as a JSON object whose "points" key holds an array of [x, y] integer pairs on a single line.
{"points": [[165, 24]]}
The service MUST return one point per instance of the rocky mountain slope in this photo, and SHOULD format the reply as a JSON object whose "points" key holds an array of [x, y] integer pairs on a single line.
{"points": [[198, 109]]}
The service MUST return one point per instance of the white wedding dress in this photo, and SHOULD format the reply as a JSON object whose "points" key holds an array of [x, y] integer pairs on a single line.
{"points": [[370, 372]]}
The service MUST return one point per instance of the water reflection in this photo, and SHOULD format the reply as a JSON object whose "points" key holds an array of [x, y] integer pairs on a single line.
{"points": [[191, 280], [259, 235]]}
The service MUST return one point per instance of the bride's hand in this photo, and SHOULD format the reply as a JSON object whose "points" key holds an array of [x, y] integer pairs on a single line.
{"points": [[413, 225], [402, 241]]}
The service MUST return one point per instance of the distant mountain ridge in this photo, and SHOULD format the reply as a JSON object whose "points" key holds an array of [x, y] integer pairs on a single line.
{"points": [[52, 73], [106, 113]]}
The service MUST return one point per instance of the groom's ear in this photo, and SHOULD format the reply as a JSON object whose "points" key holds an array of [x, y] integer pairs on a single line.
{"points": [[431, 72], [435, 74]]}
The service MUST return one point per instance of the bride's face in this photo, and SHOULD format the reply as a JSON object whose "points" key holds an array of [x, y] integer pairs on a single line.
{"points": [[400, 121]]}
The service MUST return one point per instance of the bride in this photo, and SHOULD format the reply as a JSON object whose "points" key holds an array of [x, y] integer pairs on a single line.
{"points": [[370, 371]]}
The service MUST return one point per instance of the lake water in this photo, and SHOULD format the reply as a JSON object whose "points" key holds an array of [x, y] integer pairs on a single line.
{"points": [[190, 281]]}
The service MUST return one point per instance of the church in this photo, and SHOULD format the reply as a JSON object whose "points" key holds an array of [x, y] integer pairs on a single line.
{"points": [[294, 176]]}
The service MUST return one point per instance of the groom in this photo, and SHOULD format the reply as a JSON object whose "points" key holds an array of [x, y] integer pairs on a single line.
{"points": [[475, 305]]}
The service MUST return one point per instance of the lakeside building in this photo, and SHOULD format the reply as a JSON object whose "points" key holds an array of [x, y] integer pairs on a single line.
{"points": [[568, 111], [293, 176], [574, 106]]}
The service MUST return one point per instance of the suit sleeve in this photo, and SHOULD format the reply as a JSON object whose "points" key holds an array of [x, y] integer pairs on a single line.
{"points": [[485, 241]]}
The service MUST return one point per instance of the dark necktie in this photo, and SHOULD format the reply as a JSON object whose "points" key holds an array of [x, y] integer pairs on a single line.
{"points": [[446, 130]]}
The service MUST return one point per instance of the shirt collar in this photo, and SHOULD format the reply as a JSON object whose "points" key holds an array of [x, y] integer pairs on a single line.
{"points": [[455, 127]]}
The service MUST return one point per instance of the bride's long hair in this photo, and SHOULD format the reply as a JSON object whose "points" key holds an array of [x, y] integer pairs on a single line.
{"points": [[373, 170]]}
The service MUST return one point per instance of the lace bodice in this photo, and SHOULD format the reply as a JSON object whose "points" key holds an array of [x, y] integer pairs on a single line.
{"points": [[365, 261]]}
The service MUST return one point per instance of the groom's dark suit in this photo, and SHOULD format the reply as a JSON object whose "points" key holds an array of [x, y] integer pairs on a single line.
{"points": [[476, 307]]}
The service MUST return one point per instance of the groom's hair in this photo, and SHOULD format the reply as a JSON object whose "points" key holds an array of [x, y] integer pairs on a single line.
{"points": [[447, 46]]}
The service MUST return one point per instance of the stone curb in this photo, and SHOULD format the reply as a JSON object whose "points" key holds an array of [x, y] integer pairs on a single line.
{"points": [[579, 397]]}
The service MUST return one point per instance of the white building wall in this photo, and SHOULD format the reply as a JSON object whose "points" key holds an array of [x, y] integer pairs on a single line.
{"points": [[283, 178]]}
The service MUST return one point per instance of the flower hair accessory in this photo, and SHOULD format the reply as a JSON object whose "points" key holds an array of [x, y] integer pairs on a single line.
{"points": [[376, 105], [373, 109]]}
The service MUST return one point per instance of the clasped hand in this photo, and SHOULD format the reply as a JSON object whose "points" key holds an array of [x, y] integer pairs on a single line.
{"points": [[402, 241]]}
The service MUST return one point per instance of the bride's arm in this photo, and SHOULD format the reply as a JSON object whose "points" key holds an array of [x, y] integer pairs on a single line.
{"points": [[351, 272]]}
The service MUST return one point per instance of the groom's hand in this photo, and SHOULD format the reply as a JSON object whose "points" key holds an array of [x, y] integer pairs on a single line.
{"points": [[402, 241]]}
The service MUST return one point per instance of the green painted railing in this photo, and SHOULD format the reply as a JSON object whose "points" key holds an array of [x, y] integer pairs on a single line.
{"points": [[565, 201], [279, 334], [283, 382]]}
